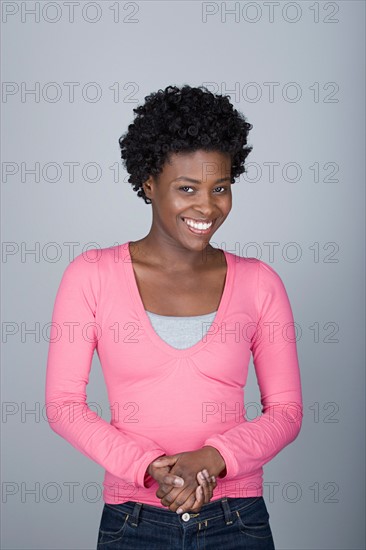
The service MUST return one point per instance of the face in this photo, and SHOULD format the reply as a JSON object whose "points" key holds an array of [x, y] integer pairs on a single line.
{"points": [[192, 189]]}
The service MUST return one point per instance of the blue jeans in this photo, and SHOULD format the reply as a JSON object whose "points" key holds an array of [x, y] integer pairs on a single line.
{"points": [[227, 524]]}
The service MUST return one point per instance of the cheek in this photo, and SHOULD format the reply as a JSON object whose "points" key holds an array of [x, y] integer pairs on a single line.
{"points": [[179, 203], [171, 209], [226, 204]]}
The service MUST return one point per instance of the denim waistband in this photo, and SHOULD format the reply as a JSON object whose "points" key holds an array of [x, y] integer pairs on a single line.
{"points": [[222, 508]]}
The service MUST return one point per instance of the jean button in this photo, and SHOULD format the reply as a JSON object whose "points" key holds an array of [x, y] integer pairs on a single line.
{"points": [[186, 516]]}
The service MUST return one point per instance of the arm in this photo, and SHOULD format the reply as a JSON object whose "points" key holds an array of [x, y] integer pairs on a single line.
{"points": [[73, 338], [251, 444]]}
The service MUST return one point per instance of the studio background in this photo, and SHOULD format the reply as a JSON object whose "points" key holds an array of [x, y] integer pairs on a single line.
{"points": [[71, 77]]}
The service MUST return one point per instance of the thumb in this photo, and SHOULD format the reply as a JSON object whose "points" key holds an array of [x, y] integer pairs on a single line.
{"points": [[164, 461]]}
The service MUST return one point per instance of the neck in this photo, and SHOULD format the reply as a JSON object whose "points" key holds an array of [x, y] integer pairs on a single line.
{"points": [[164, 252]]}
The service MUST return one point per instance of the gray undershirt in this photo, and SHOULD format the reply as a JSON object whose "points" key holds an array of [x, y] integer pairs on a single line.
{"points": [[181, 332]]}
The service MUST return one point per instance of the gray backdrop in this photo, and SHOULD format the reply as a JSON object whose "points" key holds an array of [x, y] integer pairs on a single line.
{"points": [[72, 73]]}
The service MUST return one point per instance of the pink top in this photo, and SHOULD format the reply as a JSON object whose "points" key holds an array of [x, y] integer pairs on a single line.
{"points": [[165, 400]]}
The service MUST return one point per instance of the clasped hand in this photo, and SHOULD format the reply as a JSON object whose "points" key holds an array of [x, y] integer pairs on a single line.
{"points": [[184, 483]]}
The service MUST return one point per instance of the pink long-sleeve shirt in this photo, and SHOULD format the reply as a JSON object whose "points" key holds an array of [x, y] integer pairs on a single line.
{"points": [[165, 400]]}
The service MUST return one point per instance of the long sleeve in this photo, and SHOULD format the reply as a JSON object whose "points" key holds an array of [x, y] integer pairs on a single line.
{"points": [[74, 336], [251, 444]]}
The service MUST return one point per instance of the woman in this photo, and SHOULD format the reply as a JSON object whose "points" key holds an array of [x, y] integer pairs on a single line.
{"points": [[175, 321]]}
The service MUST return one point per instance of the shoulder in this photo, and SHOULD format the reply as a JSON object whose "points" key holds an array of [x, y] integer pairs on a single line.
{"points": [[260, 272], [87, 266], [89, 259], [254, 265]]}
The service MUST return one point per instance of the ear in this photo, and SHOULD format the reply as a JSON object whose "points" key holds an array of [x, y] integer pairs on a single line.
{"points": [[148, 187]]}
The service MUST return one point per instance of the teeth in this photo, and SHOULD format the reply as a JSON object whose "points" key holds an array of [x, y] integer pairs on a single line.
{"points": [[195, 225]]}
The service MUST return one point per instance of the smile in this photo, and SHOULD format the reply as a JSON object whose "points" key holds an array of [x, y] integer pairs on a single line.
{"points": [[198, 227]]}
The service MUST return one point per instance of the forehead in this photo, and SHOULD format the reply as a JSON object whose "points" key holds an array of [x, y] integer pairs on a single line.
{"points": [[198, 164]]}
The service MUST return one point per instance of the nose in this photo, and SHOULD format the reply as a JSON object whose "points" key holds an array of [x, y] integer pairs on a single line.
{"points": [[205, 205]]}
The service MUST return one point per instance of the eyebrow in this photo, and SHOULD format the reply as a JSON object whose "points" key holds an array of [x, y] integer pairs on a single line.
{"points": [[191, 180]]}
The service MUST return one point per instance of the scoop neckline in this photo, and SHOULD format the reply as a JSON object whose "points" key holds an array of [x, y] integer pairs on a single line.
{"points": [[145, 320], [180, 316]]}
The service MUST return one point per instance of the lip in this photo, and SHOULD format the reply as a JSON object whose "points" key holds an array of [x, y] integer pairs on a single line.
{"points": [[198, 231], [197, 220]]}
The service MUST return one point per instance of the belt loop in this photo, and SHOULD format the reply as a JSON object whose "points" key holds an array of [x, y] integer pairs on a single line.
{"points": [[135, 513], [227, 511]]}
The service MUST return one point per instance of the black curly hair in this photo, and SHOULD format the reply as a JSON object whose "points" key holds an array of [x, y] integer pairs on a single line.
{"points": [[182, 119]]}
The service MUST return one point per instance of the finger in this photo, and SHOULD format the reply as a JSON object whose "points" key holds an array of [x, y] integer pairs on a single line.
{"points": [[167, 482], [199, 502], [178, 497], [206, 489], [165, 490], [209, 487], [184, 506], [170, 496], [212, 486], [159, 473], [203, 476], [210, 479], [165, 461], [199, 498], [171, 480], [194, 503]]}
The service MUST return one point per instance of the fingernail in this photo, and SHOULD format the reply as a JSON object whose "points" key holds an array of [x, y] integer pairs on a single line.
{"points": [[179, 511]]}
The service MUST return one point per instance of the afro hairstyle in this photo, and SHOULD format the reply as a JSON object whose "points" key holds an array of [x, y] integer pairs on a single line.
{"points": [[177, 120]]}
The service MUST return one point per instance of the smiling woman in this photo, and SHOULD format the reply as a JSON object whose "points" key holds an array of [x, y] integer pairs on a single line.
{"points": [[178, 120], [195, 315], [196, 209]]}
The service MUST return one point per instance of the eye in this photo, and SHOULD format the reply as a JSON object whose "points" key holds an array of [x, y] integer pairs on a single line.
{"points": [[224, 189]]}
